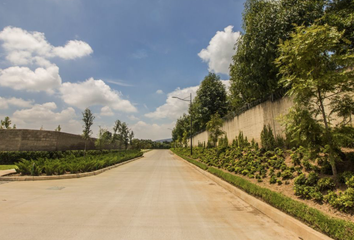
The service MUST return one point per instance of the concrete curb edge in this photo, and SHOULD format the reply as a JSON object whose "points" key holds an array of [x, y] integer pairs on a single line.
{"points": [[302, 230], [65, 176]]}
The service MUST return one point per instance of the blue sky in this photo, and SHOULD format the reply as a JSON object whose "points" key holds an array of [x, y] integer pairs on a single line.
{"points": [[122, 59]]}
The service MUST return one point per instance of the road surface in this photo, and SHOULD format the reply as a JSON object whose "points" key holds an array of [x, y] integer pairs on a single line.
{"points": [[156, 197]]}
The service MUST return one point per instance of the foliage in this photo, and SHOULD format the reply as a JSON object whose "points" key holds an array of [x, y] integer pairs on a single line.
{"points": [[253, 73], [73, 164], [6, 123], [267, 138], [335, 228], [326, 183], [211, 99], [87, 118], [344, 201], [213, 128], [309, 64], [58, 129], [11, 157], [104, 138]]}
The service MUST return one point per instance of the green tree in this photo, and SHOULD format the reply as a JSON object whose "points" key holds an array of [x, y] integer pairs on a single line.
{"points": [[185, 139], [253, 74], [104, 138], [124, 133], [318, 76], [6, 123], [58, 129], [87, 118], [211, 98], [116, 139], [214, 128], [340, 14], [131, 136]]}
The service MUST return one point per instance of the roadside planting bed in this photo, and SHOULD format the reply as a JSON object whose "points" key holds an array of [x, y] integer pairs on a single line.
{"points": [[302, 170], [58, 163]]}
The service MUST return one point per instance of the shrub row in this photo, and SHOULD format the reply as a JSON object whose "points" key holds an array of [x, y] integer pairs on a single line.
{"points": [[11, 157], [335, 228], [73, 164]]}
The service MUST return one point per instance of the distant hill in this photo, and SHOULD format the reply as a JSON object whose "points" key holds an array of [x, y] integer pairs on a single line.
{"points": [[164, 140]]}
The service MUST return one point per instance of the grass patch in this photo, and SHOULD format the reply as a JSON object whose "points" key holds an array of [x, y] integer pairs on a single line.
{"points": [[6, 167], [335, 228]]}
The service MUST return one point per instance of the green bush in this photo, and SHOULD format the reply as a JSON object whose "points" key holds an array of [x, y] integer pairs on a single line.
{"points": [[326, 183], [272, 180], [312, 179], [344, 201], [350, 182]]}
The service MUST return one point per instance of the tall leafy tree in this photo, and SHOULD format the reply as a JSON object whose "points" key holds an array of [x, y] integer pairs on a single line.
{"points": [[6, 123], [319, 76], [214, 128], [211, 98], [87, 118], [131, 136], [253, 73], [124, 133], [104, 138]]}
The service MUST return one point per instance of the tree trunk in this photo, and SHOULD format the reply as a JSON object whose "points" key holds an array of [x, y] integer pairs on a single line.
{"points": [[328, 136]]}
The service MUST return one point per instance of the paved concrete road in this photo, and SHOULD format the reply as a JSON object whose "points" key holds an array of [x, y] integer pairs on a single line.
{"points": [[157, 197]]}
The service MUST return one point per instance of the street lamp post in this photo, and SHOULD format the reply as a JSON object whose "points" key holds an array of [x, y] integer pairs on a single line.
{"points": [[190, 104]]}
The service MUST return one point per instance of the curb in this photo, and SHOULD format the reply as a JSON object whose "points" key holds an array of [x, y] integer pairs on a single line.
{"points": [[65, 176], [302, 230]]}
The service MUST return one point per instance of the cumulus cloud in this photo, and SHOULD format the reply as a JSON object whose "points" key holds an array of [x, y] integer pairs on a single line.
{"points": [[106, 111], [18, 102], [220, 50], [143, 130], [31, 48], [73, 49], [23, 78], [22, 46], [159, 91], [94, 92], [133, 118], [174, 108], [43, 113]]}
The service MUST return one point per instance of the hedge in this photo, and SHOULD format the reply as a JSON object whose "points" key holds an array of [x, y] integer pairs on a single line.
{"points": [[12, 157]]}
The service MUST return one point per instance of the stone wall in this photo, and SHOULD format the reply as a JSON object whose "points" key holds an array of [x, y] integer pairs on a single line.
{"points": [[40, 140], [252, 121]]}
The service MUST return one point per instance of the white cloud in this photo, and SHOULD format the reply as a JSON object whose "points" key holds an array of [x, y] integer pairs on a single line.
{"points": [[220, 50], [43, 113], [19, 102], [23, 78], [94, 92], [133, 118], [106, 111], [143, 130], [22, 46], [46, 115], [159, 91], [31, 48], [174, 108], [73, 49]]}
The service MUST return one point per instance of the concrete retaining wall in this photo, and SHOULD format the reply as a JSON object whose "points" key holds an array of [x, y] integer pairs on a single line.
{"points": [[252, 121], [40, 140]]}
